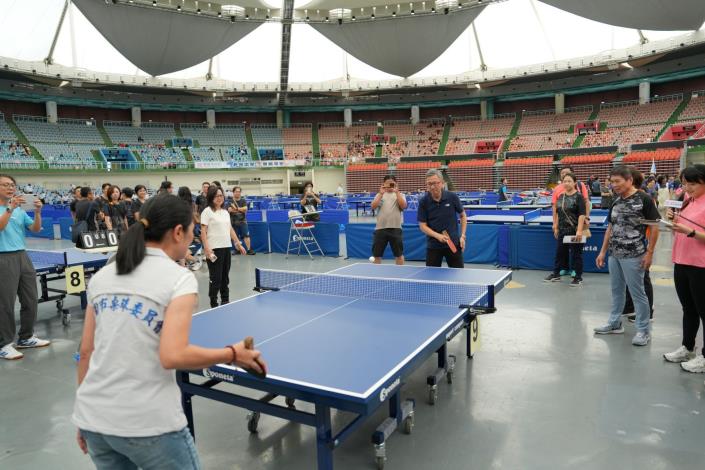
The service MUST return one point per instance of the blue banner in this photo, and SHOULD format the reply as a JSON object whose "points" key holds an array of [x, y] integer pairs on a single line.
{"points": [[326, 234]]}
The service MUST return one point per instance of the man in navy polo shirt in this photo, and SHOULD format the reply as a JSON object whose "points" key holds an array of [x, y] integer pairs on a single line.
{"points": [[438, 212]]}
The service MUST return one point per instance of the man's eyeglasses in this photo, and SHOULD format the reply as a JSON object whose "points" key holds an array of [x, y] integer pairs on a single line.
{"points": [[8, 185], [434, 183]]}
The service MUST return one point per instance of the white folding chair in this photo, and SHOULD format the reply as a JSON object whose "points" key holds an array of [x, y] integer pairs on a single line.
{"points": [[301, 235]]}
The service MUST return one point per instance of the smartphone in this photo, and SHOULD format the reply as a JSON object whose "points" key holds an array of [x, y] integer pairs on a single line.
{"points": [[28, 204]]}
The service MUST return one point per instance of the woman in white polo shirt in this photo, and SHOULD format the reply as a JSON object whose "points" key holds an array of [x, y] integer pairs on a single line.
{"points": [[136, 330], [216, 233]]}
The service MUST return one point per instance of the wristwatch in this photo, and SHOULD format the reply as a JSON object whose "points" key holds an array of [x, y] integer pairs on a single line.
{"points": [[691, 234]]}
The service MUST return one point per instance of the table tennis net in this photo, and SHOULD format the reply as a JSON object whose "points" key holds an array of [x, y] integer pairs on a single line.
{"points": [[47, 258], [454, 294]]}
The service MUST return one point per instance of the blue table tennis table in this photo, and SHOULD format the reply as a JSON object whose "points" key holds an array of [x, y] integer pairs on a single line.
{"points": [[50, 266], [344, 340]]}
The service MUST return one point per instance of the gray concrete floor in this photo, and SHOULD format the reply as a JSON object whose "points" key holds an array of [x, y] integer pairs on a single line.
{"points": [[542, 393]]}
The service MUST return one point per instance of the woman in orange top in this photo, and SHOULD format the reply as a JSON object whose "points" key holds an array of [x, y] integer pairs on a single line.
{"points": [[689, 266]]}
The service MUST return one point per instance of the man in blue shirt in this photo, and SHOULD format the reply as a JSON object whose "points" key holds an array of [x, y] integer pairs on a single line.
{"points": [[18, 275], [438, 213]]}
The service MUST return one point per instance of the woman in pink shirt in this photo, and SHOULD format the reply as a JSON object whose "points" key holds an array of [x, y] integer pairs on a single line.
{"points": [[689, 266]]}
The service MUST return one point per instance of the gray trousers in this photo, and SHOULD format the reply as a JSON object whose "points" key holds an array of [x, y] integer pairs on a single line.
{"points": [[17, 278]]}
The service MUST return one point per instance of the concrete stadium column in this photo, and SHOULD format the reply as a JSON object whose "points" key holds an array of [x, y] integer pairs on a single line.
{"points": [[490, 109], [347, 117], [483, 110], [136, 116], [415, 114], [287, 117], [210, 118], [644, 92], [52, 115], [280, 118], [559, 99]]}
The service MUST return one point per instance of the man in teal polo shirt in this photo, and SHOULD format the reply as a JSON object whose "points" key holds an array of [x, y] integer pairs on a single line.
{"points": [[18, 275]]}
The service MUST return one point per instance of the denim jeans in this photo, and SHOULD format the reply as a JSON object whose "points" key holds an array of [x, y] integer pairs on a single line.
{"points": [[627, 272], [174, 450]]}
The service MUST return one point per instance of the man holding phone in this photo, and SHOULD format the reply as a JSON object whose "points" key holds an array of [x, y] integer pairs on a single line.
{"points": [[310, 202], [391, 204], [438, 219], [18, 275]]}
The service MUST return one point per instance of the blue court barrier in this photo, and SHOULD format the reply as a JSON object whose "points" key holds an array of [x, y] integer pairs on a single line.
{"points": [[326, 234], [277, 215], [358, 241], [259, 236], [47, 230], [534, 247], [481, 248], [335, 216], [253, 216], [65, 224]]}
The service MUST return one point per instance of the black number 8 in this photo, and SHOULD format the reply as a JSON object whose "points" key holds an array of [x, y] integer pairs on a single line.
{"points": [[75, 279]]}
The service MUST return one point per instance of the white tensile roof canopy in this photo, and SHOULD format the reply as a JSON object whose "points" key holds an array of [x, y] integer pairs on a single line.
{"points": [[255, 41]]}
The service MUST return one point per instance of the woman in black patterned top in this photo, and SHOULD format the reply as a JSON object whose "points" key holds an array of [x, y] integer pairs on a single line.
{"points": [[569, 219]]}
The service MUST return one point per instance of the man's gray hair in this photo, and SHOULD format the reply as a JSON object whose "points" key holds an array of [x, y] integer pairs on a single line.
{"points": [[434, 172]]}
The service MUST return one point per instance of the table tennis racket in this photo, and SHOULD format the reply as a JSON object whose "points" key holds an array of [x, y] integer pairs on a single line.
{"points": [[450, 243], [250, 344]]}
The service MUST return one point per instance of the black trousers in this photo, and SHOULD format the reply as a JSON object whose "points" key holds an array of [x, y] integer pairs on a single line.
{"points": [[649, 289], [219, 273], [434, 257], [690, 287], [563, 252]]}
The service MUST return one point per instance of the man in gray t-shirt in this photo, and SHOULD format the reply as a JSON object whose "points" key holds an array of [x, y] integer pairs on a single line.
{"points": [[390, 203]]}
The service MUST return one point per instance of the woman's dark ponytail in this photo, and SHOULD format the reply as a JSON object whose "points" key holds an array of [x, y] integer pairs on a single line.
{"points": [[131, 249], [157, 216]]}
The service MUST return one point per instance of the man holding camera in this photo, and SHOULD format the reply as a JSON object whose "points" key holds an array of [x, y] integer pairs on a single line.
{"points": [[391, 204], [309, 203]]}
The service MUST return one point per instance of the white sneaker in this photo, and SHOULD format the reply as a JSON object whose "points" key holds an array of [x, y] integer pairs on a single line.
{"points": [[679, 355], [32, 342], [695, 365], [10, 353]]}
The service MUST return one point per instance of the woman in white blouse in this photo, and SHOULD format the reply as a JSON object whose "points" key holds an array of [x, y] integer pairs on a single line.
{"points": [[216, 233]]}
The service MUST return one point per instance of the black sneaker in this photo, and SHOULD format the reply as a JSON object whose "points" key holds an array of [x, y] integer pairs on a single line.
{"points": [[250, 252], [576, 282], [552, 278]]}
